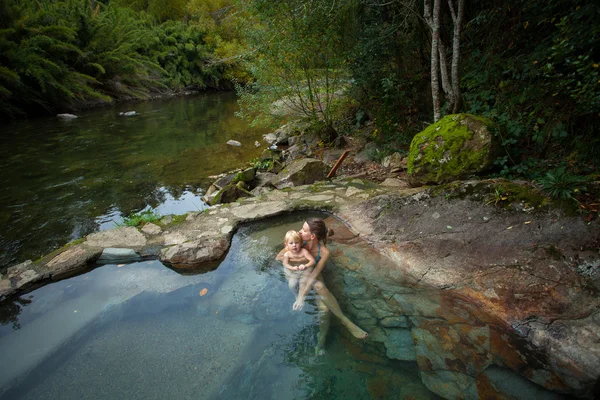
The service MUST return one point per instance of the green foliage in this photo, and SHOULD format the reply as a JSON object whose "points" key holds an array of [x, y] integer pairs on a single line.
{"points": [[533, 67], [180, 50], [62, 55], [262, 164], [560, 184], [142, 217], [388, 64], [299, 60]]}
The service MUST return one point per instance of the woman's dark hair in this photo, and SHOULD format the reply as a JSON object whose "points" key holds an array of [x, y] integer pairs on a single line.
{"points": [[317, 226]]}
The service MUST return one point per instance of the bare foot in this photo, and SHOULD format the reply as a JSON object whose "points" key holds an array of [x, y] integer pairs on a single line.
{"points": [[357, 332], [320, 351]]}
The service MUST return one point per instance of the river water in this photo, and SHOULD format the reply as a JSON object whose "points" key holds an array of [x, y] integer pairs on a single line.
{"points": [[62, 180]]}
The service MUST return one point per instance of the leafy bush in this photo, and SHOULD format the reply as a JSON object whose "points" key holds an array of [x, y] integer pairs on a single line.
{"points": [[560, 184]]}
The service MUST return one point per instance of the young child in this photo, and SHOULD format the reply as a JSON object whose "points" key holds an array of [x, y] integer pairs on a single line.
{"points": [[298, 262]]}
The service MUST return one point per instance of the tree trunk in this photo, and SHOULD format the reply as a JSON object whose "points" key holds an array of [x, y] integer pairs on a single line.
{"points": [[457, 19], [446, 85], [434, 24]]}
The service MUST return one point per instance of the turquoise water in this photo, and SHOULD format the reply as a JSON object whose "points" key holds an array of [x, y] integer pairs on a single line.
{"points": [[144, 331], [62, 180]]}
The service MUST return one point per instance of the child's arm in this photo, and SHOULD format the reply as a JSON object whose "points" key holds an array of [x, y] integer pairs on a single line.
{"points": [[286, 262], [311, 260]]}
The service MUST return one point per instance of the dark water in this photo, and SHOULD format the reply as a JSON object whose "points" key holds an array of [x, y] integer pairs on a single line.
{"points": [[144, 331], [61, 180]]}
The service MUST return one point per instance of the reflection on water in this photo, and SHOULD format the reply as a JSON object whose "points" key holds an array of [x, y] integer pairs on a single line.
{"points": [[64, 179], [144, 331]]}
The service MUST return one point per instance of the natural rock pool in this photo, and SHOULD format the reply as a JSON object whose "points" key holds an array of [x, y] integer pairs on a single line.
{"points": [[142, 330]]}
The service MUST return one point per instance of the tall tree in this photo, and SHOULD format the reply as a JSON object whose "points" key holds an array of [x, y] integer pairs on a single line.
{"points": [[439, 64]]}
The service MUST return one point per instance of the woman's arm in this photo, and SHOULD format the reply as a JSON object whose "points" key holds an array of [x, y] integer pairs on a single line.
{"points": [[279, 256], [310, 281], [311, 260]]}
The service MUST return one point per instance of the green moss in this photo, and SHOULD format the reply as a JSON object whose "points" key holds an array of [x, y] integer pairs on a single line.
{"points": [[58, 251], [239, 177], [442, 151], [178, 219]]}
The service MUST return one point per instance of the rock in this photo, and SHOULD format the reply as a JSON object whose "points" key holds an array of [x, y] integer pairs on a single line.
{"points": [[234, 143], [257, 144], [246, 175], [66, 116], [399, 344], [126, 236], [301, 172], [258, 191], [455, 147], [212, 189], [368, 153], [270, 154], [128, 113], [395, 322], [394, 182], [5, 288], [115, 255], [72, 260], [228, 194], [193, 253], [331, 156], [292, 140], [296, 151], [263, 179], [270, 138], [285, 132], [151, 229], [166, 220], [393, 161]]}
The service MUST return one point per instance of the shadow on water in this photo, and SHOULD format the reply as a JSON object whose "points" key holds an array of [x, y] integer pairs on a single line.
{"points": [[10, 311], [62, 180]]}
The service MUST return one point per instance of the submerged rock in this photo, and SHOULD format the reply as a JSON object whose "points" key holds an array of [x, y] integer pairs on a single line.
{"points": [[114, 255], [66, 116]]}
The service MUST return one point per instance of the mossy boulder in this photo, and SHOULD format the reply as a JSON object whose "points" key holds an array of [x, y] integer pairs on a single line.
{"points": [[228, 194], [455, 147]]}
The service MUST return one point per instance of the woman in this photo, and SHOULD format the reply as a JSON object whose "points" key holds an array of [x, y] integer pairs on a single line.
{"points": [[314, 234]]}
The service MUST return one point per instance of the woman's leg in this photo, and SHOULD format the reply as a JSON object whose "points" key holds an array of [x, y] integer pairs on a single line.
{"points": [[292, 281], [331, 303], [324, 322]]}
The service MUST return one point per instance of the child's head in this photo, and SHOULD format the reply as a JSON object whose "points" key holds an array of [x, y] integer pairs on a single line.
{"points": [[292, 237]]}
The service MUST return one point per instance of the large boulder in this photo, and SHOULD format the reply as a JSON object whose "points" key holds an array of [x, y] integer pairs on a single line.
{"points": [[455, 147], [301, 172], [229, 187], [228, 194]]}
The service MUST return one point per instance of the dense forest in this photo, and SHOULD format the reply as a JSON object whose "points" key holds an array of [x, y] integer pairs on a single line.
{"points": [[531, 65]]}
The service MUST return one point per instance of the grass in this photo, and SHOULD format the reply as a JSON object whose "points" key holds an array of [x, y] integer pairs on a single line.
{"points": [[142, 217]]}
